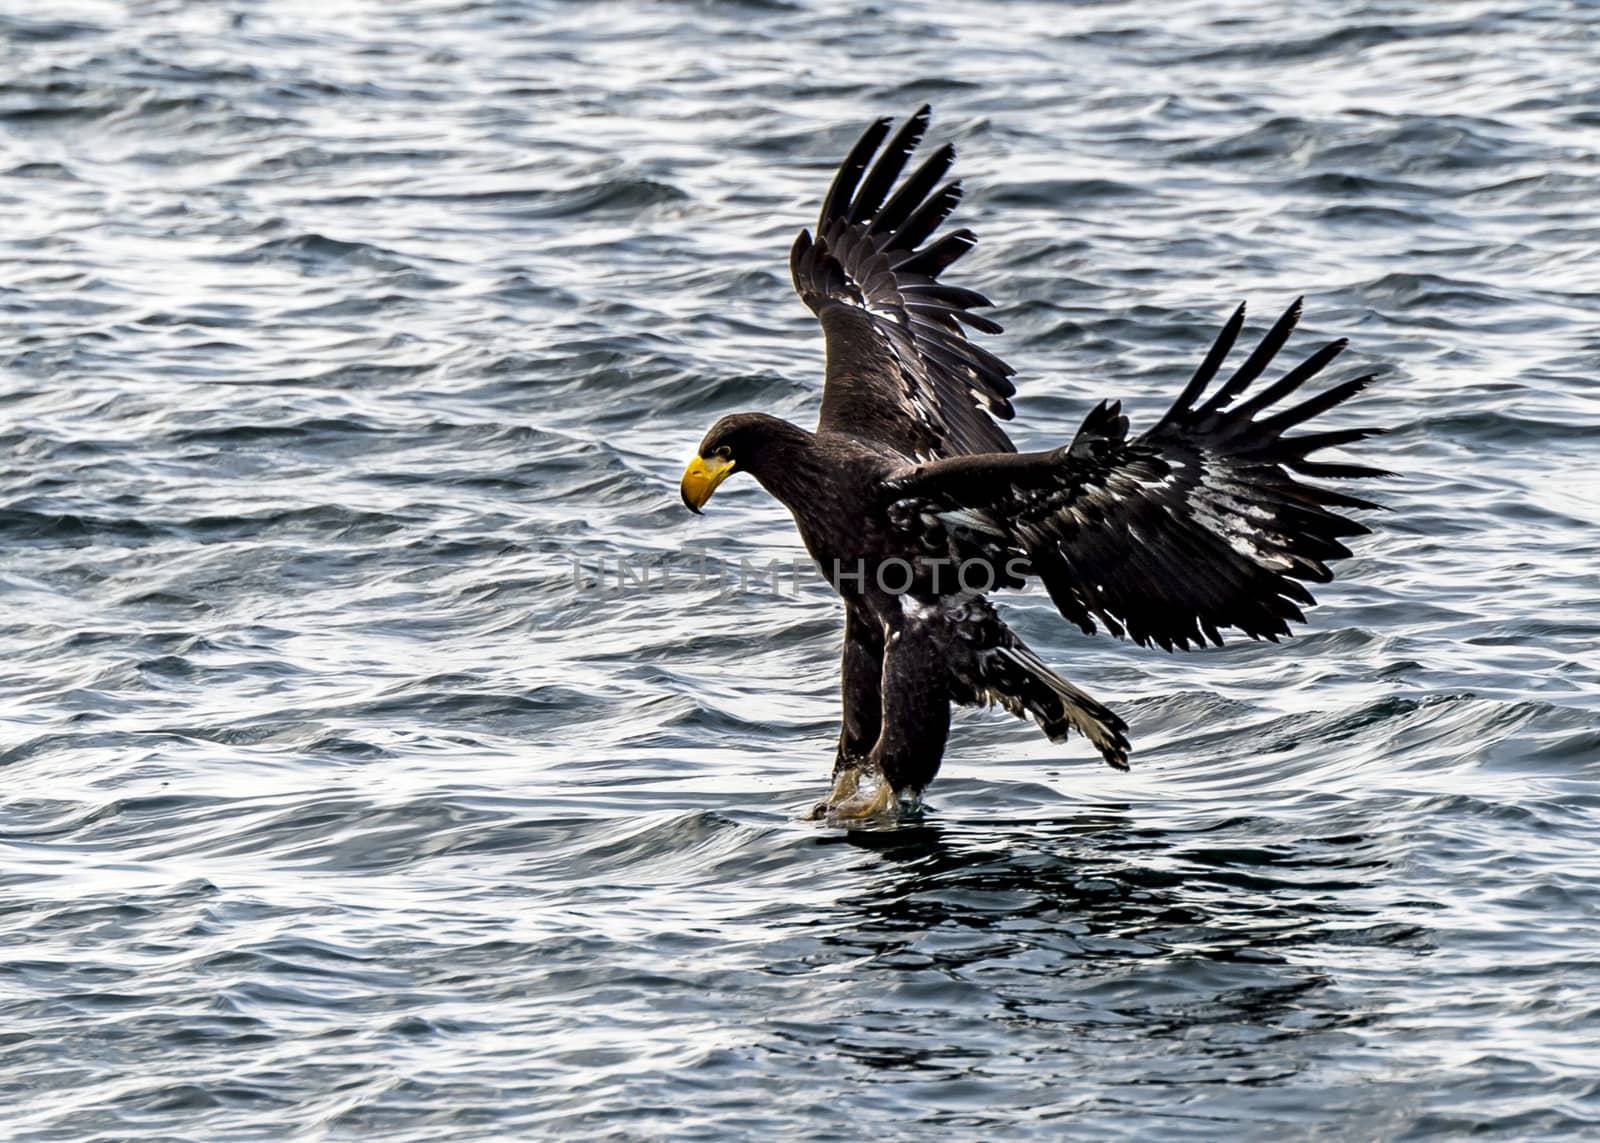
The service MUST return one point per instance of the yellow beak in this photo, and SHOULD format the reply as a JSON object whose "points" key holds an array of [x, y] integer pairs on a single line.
{"points": [[701, 478]]}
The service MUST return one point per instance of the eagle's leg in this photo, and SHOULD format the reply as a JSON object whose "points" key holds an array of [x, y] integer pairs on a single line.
{"points": [[860, 676], [859, 679], [916, 713]]}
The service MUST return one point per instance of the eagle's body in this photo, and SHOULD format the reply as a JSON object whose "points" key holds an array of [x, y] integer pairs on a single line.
{"points": [[915, 504]]}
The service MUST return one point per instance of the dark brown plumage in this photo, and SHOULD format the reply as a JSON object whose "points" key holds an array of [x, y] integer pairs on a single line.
{"points": [[915, 504]]}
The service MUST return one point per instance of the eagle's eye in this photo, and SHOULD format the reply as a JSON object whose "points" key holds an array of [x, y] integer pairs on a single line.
{"points": [[725, 452]]}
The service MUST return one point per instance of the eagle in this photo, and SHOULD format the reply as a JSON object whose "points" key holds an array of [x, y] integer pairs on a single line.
{"points": [[916, 506]]}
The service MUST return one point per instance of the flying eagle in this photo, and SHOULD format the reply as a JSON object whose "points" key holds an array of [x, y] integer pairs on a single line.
{"points": [[915, 504]]}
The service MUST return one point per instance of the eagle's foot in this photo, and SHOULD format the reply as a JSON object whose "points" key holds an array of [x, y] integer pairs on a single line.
{"points": [[880, 801], [845, 785], [856, 805]]}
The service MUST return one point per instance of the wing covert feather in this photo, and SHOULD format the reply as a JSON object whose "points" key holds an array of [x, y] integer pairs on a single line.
{"points": [[1199, 524]]}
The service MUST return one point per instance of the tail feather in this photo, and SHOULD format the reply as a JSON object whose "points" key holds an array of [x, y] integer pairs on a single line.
{"points": [[990, 665], [1059, 707]]}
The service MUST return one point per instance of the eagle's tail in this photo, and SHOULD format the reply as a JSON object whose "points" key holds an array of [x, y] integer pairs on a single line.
{"points": [[1019, 680], [990, 664]]}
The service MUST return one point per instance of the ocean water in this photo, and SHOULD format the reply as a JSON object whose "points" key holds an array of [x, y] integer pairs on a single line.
{"points": [[342, 346]]}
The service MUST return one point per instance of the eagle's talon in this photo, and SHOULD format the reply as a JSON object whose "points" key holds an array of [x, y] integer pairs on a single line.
{"points": [[846, 785]]}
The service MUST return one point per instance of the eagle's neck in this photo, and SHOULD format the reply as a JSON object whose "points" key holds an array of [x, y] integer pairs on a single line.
{"points": [[788, 462]]}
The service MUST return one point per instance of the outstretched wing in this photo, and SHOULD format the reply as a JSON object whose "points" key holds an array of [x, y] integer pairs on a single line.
{"points": [[1199, 524], [900, 368]]}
